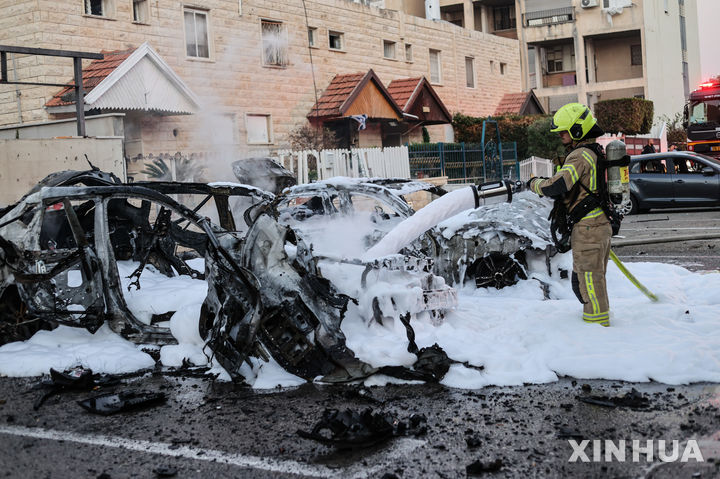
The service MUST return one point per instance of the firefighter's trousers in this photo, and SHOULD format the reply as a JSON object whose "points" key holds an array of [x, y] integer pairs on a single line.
{"points": [[591, 249]]}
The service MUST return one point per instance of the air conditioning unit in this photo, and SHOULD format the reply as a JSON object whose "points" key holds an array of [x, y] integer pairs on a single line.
{"points": [[588, 3]]}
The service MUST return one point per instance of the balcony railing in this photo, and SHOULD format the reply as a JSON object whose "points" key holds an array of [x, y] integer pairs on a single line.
{"points": [[549, 17]]}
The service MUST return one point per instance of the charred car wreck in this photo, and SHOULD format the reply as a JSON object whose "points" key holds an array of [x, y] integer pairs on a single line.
{"points": [[62, 245], [490, 247], [279, 282]]}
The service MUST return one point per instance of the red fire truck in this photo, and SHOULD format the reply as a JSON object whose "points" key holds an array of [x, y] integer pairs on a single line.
{"points": [[702, 119]]}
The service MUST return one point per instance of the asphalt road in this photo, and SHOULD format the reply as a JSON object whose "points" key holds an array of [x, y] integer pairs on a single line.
{"points": [[657, 225], [213, 429]]}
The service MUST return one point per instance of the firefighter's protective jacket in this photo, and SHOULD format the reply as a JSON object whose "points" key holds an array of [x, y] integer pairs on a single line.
{"points": [[581, 165]]}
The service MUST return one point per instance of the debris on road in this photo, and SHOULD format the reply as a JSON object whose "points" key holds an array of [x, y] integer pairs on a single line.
{"points": [[107, 404], [351, 429], [75, 379], [633, 399], [478, 467]]}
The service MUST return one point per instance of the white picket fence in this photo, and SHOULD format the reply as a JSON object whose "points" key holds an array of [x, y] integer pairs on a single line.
{"points": [[535, 166], [390, 162]]}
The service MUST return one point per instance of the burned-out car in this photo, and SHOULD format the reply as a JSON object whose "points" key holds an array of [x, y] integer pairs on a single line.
{"points": [[487, 246], [77, 248], [340, 218], [61, 246]]}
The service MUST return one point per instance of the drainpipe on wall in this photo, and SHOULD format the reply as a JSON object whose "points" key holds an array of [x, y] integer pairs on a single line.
{"points": [[524, 61]]}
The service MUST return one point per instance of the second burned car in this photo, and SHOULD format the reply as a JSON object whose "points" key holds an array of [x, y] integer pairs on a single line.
{"points": [[492, 246]]}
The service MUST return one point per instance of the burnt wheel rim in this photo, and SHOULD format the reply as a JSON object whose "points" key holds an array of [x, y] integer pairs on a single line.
{"points": [[625, 207], [499, 270]]}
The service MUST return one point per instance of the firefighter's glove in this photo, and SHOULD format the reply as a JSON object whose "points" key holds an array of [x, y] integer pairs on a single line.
{"points": [[530, 181]]}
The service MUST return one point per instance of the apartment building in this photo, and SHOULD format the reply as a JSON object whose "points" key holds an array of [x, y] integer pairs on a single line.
{"points": [[240, 75], [591, 50]]}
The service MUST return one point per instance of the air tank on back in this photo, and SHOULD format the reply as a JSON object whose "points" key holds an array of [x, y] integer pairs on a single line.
{"points": [[618, 174]]}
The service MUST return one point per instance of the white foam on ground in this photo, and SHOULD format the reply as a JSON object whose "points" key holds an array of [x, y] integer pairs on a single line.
{"points": [[516, 335], [65, 347], [521, 338]]}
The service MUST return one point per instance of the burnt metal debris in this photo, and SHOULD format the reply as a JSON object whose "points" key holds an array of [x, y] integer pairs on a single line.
{"points": [[632, 399], [124, 401], [351, 429], [270, 290]]}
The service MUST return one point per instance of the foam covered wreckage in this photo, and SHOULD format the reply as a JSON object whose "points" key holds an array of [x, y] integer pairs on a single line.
{"points": [[474, 235], [60, 245], [273, 290]]}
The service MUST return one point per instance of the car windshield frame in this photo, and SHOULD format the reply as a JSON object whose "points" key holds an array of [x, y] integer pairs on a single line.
{"points": [[670, 155]]}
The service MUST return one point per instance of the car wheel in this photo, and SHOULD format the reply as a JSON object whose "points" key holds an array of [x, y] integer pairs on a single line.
{"points": [[16, 322], [629, 207], [498, 270]]}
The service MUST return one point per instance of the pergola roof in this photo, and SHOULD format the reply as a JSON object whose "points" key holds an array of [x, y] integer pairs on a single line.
{"points": [[130, 80], [356, 94]]}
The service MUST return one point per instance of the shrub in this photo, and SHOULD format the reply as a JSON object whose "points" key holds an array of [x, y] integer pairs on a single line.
{"points": [[631, 116]]}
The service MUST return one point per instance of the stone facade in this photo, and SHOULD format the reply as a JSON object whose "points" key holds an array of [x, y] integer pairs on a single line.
{"points": [[233, 82]]}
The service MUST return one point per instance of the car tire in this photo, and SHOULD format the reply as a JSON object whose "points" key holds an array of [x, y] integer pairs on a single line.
{"points": [[629, 207], [498, 270]]}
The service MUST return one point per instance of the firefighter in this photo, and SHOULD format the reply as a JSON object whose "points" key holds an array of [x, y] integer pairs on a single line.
{"points": [[575, 189]]}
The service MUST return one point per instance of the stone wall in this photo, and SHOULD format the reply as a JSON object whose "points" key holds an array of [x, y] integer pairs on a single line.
{"points": [[234, 82]]}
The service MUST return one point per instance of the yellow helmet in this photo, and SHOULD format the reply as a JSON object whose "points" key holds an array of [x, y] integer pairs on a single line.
{"points": [[575, 118]]}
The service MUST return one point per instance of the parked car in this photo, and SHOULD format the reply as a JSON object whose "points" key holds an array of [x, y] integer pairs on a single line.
{"points": [[672, 180]]}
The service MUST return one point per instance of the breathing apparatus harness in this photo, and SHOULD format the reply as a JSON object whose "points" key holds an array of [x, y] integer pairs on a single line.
{"points": [[562, 221]]}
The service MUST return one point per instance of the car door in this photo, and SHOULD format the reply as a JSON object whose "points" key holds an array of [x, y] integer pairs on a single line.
{"points": [[652, 183], [693, 188], [62, 279]]}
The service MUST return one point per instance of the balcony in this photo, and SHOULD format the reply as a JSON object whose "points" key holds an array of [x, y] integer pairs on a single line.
{"points": [[549, 17]]}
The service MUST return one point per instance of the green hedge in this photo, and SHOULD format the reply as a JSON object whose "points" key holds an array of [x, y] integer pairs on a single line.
{"points": [[531, 133], [632, 116]]}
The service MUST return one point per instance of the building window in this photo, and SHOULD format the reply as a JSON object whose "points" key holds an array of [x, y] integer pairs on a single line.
{"points": [[504, 17], [196, 33], [435, 73], [492, 66], [408, 52], [335, 40], [259, 129], [554, 59], [389, 49], [635, 55], [312, 36], [275, 43], [503, 68], [141, 13], [99, 8], [470, 72]]}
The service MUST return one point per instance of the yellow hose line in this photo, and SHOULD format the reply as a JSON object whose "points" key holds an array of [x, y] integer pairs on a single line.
{"points": [[632, 278]]}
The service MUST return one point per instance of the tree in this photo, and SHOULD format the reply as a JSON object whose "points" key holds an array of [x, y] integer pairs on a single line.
{"points": [[308, 137], [543, 143], [676, 134]]}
